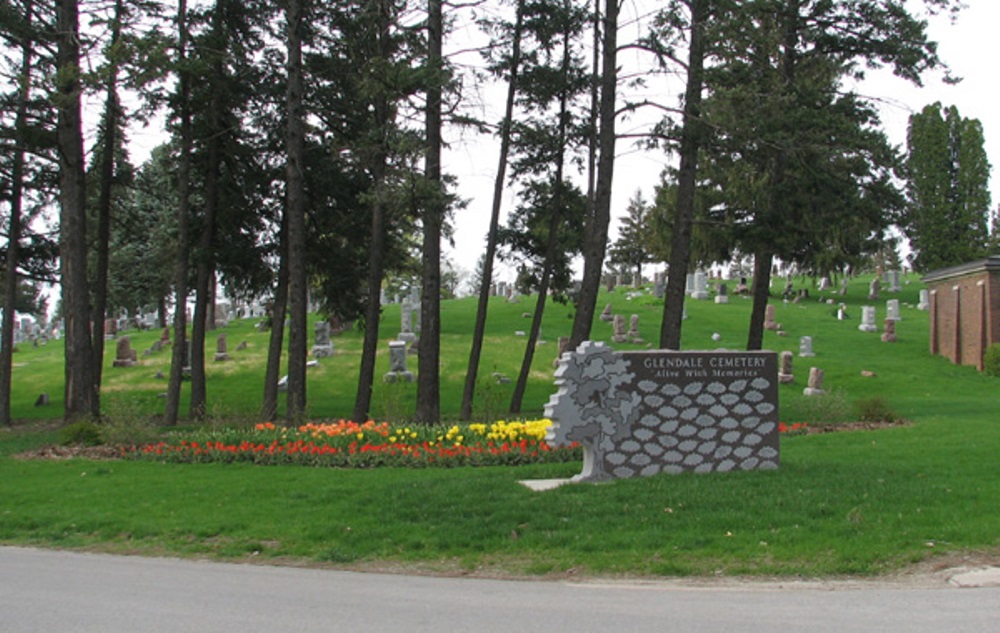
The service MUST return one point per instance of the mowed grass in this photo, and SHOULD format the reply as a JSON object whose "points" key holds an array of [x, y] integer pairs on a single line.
{"points": [[857, 503]]}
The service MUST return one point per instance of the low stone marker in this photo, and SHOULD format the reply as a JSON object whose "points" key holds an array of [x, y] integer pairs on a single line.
{"points": [[633, 330], [125, 356], [892, 310], [785, 375], [889, 331], [322, 347], [815, 384], [221, 349], [646, 412], [806, 347], [868, 319], [397, 363], [925, 300], [619, 336], [723, 296], [769, 322]]}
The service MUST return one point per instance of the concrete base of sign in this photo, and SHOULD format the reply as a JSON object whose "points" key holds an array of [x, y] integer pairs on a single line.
{"points": [[541, 485]]}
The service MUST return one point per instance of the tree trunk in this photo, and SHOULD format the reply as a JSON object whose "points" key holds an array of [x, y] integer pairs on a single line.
{"points": [[379, 167], [596, 238], [295, 201], [17, 178], [687, 183], [79, 386], [206, 242], [112, 112], [178, 354], [517, 397], [761, 294], [269, 410], [469, 393], [428, 360]]}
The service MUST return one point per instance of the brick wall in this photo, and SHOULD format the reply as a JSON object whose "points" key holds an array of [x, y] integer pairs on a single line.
{"points": [[965, 310]]}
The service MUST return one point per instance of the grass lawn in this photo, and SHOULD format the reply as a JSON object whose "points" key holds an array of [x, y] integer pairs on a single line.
{"points": [[858, 502]]}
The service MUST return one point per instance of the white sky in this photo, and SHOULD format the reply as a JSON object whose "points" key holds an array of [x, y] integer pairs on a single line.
{"points": [[970, 47]]}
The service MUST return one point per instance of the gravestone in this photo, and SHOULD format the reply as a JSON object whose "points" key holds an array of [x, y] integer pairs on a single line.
{"points": [[689, 284], [824, 284], [110, 329], [889, 331], [397, 363], [785, 375], [723, 296], [561, 346], [873, 289], [659, 289], [894, 281], [806, 347], [647, 412], [815, 387], [633, 330], [165, 336], [769, 322], [742, 288], [842, 312], [925, 300], [322, 347], [221, 348], [619, 335], [700, 286], [125, 356], [607, 315], [892, 310], [406, 334], [868, 319], [843, 287]]}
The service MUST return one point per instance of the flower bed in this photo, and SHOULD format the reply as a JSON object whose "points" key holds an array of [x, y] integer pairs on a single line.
{"points": [[348, 444], [351, 445]]}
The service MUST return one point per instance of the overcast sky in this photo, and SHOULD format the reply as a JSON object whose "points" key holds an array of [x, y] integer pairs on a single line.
{"points": [[970, 47]]}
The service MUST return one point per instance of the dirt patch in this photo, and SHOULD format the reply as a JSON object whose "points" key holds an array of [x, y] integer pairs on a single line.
{"points": [[72, 452], [856, 426]]}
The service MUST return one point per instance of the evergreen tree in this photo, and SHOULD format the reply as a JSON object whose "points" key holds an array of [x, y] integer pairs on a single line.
{"points": [[630, 249], [794, 153], [947, 185]]}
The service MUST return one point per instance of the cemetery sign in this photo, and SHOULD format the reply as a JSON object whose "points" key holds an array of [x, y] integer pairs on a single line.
{"points": [[647, 412]]}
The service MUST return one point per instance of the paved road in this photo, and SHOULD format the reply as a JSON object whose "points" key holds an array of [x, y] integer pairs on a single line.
{"points": [[48, 591]]}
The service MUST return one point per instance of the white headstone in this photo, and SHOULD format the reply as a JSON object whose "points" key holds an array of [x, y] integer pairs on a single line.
{"points": [[868, 319], [806, 346], [894, 283], [925, 300], [892, 309], [700, 286]]}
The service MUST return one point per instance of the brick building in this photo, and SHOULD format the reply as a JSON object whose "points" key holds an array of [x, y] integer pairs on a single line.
{"points": [[965, 310]]}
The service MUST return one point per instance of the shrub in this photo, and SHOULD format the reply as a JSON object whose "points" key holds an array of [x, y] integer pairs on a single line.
{"points": [[84, 433], [874, 409], [991, 360], [829, 408]]}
